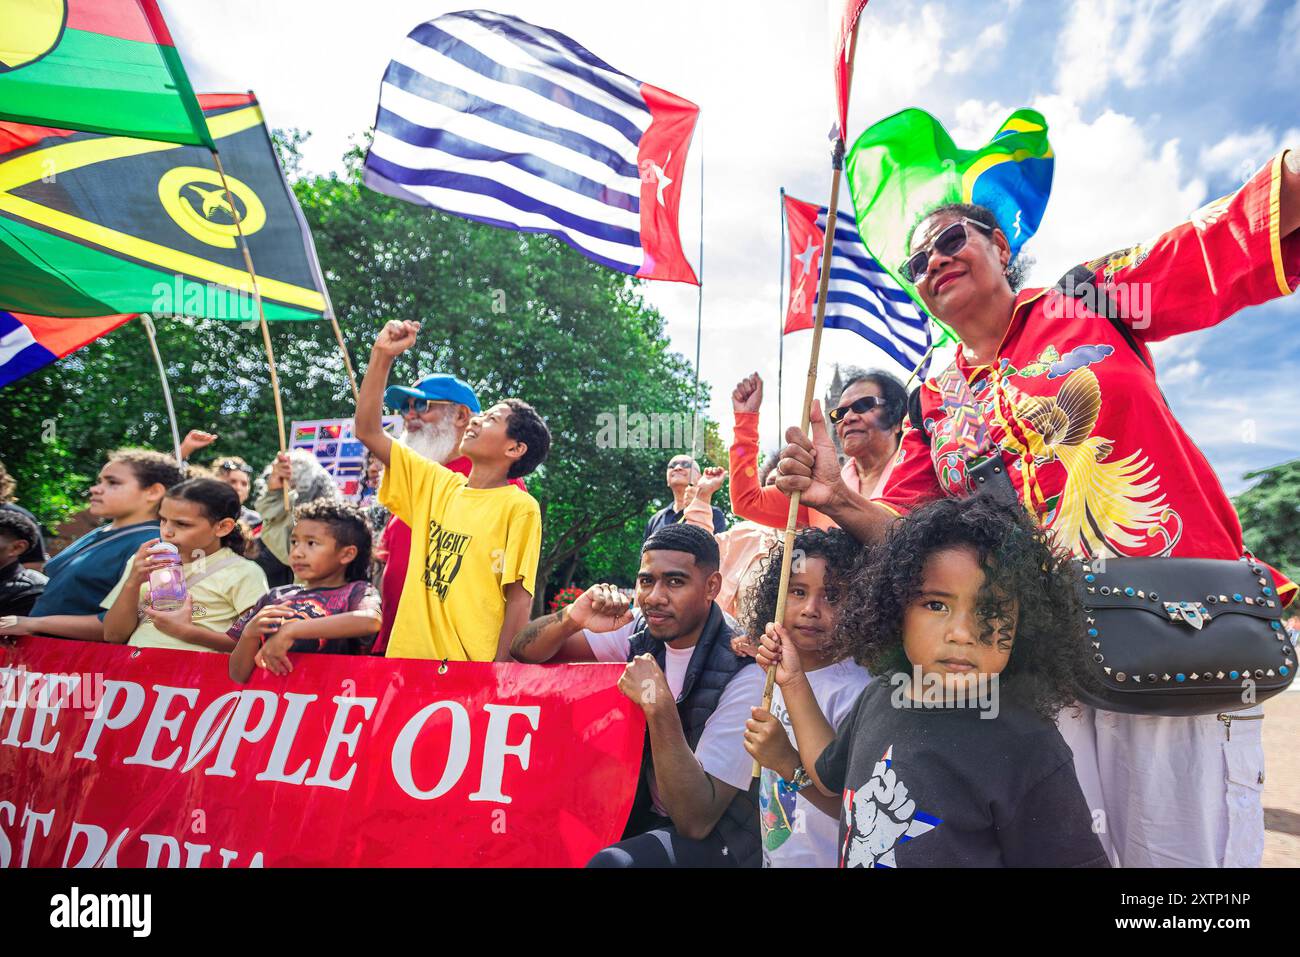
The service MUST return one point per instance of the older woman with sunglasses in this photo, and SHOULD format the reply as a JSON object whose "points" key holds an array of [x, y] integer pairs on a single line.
{"points": [[1073, 409]]}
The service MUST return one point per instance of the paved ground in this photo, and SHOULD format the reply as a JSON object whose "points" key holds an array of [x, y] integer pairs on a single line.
{"points": [[1282, 780]]}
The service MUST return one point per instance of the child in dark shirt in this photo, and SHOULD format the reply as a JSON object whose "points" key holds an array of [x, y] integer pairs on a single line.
{"points": [[971, 624], [331, 608]]}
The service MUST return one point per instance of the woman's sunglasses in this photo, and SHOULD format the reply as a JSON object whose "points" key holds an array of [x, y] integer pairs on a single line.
{"points": [[230, 465], [949, 242], [861, 406]]}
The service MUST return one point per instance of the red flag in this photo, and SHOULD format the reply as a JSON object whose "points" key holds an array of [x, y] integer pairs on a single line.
{"points": [[843, 52], [28, 343], [806, 239]]}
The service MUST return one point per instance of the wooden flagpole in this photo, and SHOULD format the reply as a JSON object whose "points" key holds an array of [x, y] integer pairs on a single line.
{"points": [[828, 239], [261, 314], [147, 320]]}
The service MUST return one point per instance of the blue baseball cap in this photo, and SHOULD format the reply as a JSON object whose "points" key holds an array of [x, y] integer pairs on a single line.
{"points": [[439, 387]]}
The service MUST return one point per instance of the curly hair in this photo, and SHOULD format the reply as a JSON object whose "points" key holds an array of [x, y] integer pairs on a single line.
{"points": [[14, 524], [348, 526], [1023, 574], [834, 546], [527, 426], [1017, 269]]}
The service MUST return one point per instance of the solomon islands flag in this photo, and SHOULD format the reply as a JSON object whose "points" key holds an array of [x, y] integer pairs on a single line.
{"points": [[502, 122], [861, 296]]}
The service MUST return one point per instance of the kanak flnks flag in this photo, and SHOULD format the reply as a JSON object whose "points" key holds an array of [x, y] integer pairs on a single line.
{"points": [[92, 225], [102, 66], [29, 343], [503, 122], [861, 297]]}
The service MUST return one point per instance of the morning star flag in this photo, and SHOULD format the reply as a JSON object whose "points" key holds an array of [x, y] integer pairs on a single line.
{"points": [[92, 225], [907, 164], [494, 119], [103, 66], [861, 297], [843, 55], [29, 343]]}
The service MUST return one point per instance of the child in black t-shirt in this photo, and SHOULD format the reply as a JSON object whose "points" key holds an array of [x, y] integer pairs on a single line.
{"points": [[971, 624], [331, 608]]}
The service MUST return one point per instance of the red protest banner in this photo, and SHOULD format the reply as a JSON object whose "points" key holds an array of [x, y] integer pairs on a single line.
{"points": [[122, 757]]}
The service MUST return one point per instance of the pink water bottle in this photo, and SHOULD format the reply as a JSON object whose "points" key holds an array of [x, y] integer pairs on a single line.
{"points": [[167, 584]]}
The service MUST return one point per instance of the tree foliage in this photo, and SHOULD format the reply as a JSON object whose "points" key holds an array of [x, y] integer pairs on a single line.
{"points": [[511, 313], [1270, 516]]}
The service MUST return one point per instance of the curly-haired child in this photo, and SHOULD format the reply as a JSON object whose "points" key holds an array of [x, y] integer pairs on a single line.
{"points": [[798, 822], [331, 607], [970, 623]]}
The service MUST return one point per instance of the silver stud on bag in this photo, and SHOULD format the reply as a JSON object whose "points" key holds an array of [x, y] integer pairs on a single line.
{"points": [[1120, 676]]}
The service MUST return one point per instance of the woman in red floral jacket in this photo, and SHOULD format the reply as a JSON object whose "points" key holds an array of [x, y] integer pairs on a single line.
{"points": [[1093, 451]]}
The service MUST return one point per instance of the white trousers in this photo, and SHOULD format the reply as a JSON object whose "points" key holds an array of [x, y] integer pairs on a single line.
{"points": [[1171, 792]]}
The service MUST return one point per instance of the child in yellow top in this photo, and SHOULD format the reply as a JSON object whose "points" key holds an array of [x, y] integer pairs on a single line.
{"points": [[200, 517], [474, 542]]}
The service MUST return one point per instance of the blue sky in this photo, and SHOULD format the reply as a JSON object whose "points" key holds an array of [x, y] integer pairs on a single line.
{"points": [[1155, 108]]}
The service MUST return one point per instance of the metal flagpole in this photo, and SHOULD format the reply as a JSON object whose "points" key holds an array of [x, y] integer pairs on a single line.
{"points": [[787, 550], [697, 439], [780, 328], [162, 377], [261, 314]]}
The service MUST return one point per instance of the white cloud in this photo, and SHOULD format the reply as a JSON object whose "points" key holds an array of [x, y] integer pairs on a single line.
{"points": [[1105, 199], [990, 40], [1241, 154], [1131, 41]]}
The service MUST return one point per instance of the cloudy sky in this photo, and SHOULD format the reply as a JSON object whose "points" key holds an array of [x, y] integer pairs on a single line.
{"points": [[1155, 107]]}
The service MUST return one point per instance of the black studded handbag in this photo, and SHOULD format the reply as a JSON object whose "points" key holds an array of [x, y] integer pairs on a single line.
{"points": [[1184, 636]]}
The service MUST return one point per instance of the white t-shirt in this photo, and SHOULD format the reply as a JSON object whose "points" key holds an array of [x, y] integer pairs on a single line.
{"points": [[796, 833], [721, 749]]}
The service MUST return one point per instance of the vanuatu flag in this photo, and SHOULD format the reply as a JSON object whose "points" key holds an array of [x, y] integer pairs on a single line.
{"points": [[107, 66], [904, 166], [92, 225]]}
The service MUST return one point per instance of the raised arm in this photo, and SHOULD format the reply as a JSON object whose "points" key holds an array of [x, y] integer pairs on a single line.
{"points": [[559, 637], [749, 500], [394, 339]]}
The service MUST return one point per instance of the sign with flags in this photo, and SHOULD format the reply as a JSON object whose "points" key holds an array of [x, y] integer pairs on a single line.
{"points": [[28, 343], [502, 122], [904, 166], [92, 225], [861, 296], [104, 66]]}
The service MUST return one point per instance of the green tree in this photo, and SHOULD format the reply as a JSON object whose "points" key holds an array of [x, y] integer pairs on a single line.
{"points": [[1270, 516]]}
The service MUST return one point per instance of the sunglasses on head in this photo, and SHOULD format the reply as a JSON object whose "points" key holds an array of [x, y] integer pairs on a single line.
{"points": [[230, 465], [950, 241], [680, 464], [861, 406]]}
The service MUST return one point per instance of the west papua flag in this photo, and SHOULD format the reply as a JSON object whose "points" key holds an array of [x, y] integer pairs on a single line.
{"points": [[492, 118], [861, 297], [28, 343]]}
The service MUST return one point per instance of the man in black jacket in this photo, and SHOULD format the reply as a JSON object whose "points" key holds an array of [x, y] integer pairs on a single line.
{"points": [[696, 803], [19, 586]]}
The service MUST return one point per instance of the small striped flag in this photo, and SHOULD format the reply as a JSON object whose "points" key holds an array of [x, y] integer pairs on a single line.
{"points": [[502, 122], [861, 297]]}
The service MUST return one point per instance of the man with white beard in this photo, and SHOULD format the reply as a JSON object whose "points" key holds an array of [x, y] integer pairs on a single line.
{"points": [[435, 411]]}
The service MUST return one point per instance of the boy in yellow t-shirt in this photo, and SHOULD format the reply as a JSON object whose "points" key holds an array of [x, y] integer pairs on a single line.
{"points": [[474, 541]]}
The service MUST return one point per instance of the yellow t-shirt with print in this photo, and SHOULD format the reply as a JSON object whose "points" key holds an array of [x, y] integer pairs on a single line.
{"points": [[467, 545], [233, 585]]}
